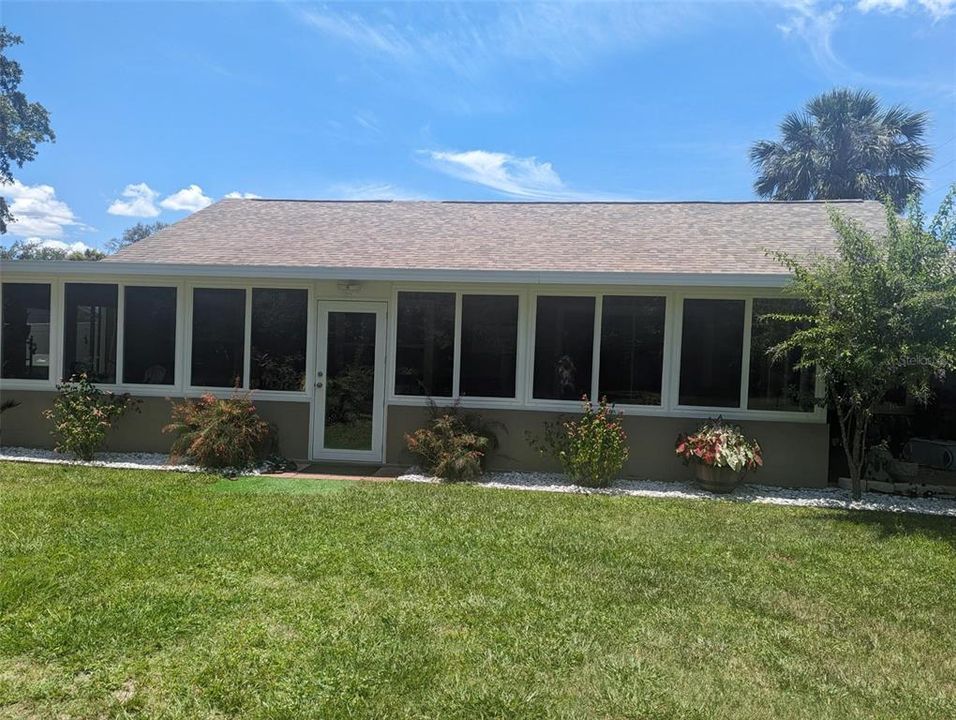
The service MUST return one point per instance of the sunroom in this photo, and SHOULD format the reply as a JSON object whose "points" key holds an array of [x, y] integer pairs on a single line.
{"points": [[344, 351]]}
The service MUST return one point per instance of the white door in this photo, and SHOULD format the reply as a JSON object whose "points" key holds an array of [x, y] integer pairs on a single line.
{"points": [[349, 402]]}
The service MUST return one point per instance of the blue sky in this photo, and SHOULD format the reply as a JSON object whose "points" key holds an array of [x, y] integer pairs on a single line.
{"points": [[160, 108]]}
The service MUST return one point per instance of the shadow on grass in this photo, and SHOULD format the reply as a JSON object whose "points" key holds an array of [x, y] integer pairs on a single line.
{"points": [[889, 525], [291, 486]]}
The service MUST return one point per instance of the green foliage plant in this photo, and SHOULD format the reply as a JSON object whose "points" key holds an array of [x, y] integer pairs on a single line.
{"points": [[220, 433], [82, 415], [592, 449]]}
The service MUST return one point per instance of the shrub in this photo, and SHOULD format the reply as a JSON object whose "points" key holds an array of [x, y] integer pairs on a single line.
{"points": [[720, 444], [82, 414], [220, 433], [453, 445], [592, 449]]}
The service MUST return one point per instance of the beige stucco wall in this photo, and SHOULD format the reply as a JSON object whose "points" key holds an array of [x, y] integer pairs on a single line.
{"points": [[25, 426], [795, 454]]}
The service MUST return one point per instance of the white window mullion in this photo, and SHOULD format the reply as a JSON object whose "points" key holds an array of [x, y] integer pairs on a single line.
{"points": [[120, 330], [596, 350], [456, 362], [677, 333], [745, 359], [247, 349]]}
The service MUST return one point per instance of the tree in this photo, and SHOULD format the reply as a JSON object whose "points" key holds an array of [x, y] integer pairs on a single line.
{"points": [[135, 233], [881, 315], [844, 144], [23, 124], [26, 250]]}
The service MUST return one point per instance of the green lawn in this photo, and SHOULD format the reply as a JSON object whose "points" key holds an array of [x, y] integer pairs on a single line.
{"points": [[148, 594]]}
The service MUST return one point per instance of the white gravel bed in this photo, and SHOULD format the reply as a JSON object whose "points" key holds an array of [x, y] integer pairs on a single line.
{"points": [[807, 497], [128, 461]]}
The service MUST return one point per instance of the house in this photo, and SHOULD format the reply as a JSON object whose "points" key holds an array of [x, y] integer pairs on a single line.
{"points": [[344, 318]]}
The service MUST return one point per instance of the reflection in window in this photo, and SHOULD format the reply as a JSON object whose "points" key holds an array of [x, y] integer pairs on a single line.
{"points": [[425, 344], [26, 331], [89, 331], [774, 384], [218, 337], [711, 357], [279, 329], [563, 347], [632, 349], [350, 381], [489, 345], [149, 335]]}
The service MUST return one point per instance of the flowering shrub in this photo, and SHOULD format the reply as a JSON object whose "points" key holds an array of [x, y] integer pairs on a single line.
{"points": [[217, 433], [454, 445], [592, 449], [720, 444], [82, 414]]}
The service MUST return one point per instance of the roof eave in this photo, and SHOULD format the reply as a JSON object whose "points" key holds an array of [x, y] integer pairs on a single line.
{"points": [[274, 272]]}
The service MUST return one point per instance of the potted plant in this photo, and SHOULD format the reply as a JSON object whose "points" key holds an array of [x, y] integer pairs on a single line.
{"points": [[721, 454]]}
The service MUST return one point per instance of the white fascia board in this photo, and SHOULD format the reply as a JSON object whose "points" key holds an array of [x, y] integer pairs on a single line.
{"points": [[525, 277]]}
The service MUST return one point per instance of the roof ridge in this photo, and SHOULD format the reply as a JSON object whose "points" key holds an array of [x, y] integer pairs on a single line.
{"points": [[843, 201]]}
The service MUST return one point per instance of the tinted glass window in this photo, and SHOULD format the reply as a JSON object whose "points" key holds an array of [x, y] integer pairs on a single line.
{"points": [[563, 347], [350, 381], [149, 335], [89, 331], [774, 384], [711, 353], [279, 331], [632, 349], [218, 337], [489, 345], [26, 331], [425, 344]]}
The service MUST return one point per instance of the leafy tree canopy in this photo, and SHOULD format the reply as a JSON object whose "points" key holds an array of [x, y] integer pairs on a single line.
{"points": [[881, 314], [23, 124], [135, 233], [844, 144], [25, 250]]}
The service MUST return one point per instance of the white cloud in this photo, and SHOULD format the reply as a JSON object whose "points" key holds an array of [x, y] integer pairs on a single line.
{"points": [[472, 39], [523, 177], [938, 9], [37, 211], [140, 201], [59, 244], [189, 199], [236, 195], [372, 191]]}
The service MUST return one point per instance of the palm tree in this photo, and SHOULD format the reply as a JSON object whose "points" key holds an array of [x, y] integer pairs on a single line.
{"points": [[844, 145]]}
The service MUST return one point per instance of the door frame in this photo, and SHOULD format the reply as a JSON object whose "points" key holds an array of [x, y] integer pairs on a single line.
{"points": [[319, 381]]}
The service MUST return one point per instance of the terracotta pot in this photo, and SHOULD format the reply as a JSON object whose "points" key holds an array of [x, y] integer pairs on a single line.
{"points": [[717, 479]]}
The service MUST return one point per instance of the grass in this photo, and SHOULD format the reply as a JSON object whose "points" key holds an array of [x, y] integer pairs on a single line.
{"points": [[163, 595]]}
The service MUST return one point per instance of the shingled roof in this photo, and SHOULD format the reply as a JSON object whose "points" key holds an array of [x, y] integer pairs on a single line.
{"points": [[652, 237]]}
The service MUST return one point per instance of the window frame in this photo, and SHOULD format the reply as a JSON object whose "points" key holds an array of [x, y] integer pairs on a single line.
{"points": [[458, 291], [55, 333], [304, 395], [741, 411]]}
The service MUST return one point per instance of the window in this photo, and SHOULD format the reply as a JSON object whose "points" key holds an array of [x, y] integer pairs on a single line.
{"points": [[89, 331], [711, 357], [149, 335], [489, 345], [632, 349], [425, 344], [279, 330], [26, 331], [218, 337], [774, 384], [563, 347]]}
